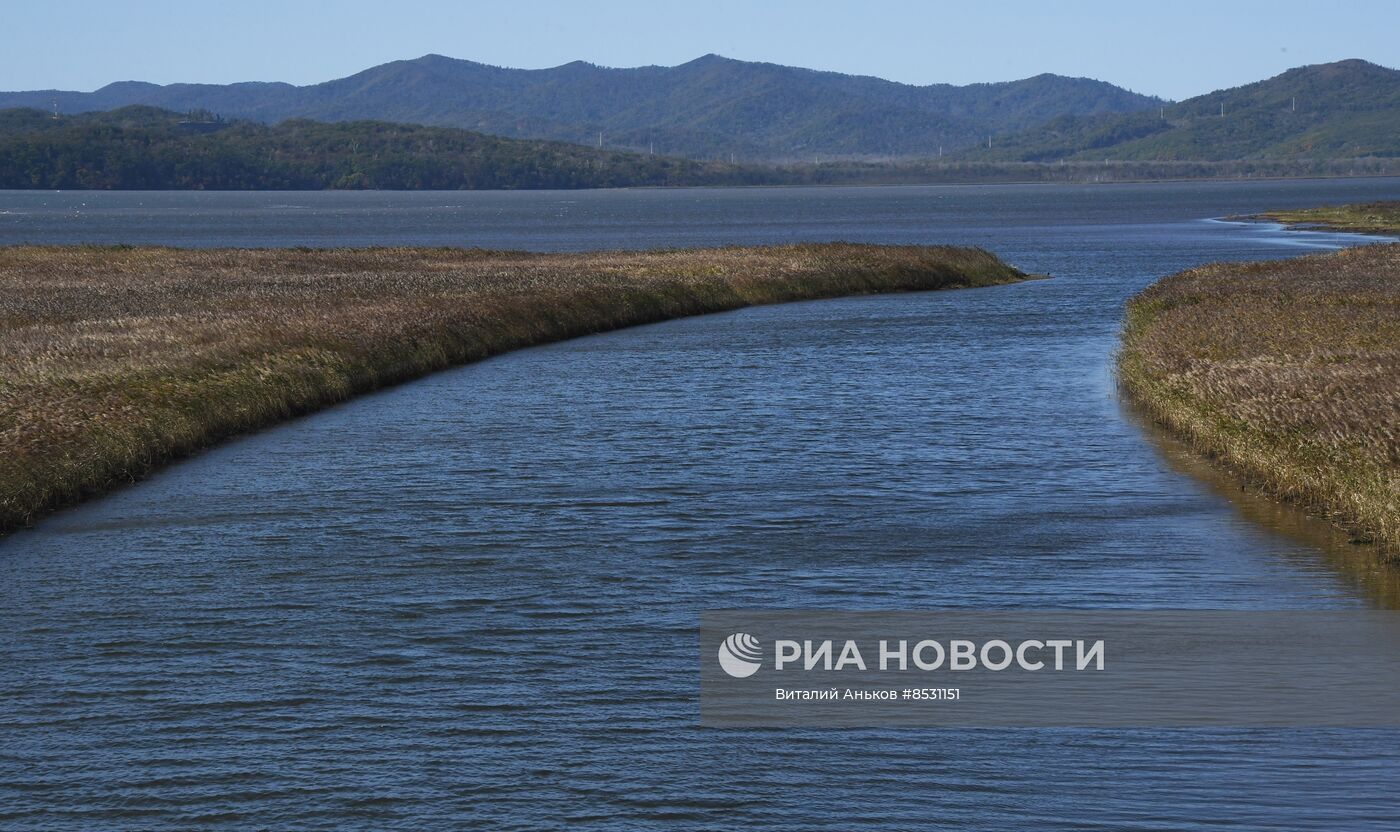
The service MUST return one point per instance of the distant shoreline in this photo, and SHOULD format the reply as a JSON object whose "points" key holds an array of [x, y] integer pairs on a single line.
{"points": [[1268, 217]]}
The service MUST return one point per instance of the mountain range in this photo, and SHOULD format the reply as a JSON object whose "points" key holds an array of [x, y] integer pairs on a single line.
{"points": [[1344, 110], [711, 107], [715, 108]]}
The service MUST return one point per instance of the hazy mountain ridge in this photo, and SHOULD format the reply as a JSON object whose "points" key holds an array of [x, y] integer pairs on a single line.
{"points": [[1347, 109], [708, 107]]}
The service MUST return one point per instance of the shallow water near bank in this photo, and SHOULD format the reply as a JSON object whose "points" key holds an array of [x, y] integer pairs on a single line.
{"points": [[473, 598]]}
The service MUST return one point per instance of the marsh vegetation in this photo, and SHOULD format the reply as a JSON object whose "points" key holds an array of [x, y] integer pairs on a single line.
{"points": [[1287, 372], [1361, 218], [114, 360]]}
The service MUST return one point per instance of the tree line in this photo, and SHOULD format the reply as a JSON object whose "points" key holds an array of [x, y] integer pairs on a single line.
{"points": [[145, 148]]}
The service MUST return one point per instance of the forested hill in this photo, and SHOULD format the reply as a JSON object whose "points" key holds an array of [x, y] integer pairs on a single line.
{"points": [[149, 148], [1344, 110], [711, 107]]}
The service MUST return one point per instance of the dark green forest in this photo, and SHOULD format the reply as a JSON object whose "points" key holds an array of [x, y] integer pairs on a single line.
{"points": [[139, 147], [142, 148]]}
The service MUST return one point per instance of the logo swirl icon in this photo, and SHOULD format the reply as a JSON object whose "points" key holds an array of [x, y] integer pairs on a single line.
{"points": [[740, 655]]}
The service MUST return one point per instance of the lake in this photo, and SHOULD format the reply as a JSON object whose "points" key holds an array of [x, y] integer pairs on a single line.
{"points": [[473, 598]]}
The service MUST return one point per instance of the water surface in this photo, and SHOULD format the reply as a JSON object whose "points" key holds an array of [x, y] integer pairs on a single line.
{"points": [[473, 599]]}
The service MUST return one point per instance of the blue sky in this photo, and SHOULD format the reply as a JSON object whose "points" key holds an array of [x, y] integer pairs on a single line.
{"points": [[1174, 49]]}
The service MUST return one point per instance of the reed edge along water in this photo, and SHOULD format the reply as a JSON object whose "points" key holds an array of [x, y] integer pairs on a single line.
{"points": [[119, 359], [1381, 217], [1287, 372]]}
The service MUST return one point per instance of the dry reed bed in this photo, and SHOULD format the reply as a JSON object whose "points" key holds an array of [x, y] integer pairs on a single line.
{"points": [[1286, 371], [115, 360]]}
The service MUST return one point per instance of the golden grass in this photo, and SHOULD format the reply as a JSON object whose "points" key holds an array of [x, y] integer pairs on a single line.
{"points": [[1286, 371], [116, 360], [1361, 218]]}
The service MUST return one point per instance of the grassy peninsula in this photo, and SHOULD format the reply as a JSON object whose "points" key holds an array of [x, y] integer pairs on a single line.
{"points": [[114, 360], [1361, 218], [1287, 372]]}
